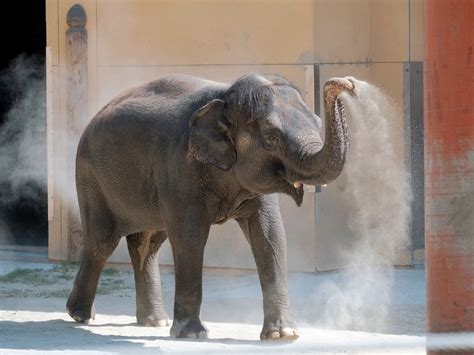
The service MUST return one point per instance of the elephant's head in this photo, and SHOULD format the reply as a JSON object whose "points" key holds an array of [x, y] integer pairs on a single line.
{"points": [[265, 133]]}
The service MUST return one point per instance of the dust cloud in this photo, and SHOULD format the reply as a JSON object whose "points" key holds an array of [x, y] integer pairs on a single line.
{"points": [[375, 185], [23, 138]]}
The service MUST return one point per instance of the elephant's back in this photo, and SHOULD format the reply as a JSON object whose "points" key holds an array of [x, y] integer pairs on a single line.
{"points": [[154, 113], [169, 90]]}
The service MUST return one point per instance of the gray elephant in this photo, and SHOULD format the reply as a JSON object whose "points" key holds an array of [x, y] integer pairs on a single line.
{"points": [[172, 157]]}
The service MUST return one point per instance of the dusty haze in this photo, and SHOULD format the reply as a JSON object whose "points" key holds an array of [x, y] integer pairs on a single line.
{"points": [[23, 138], [376, 186]]}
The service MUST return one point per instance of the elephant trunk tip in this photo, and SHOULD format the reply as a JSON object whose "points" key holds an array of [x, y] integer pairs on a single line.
{"points": [[334, 86]]}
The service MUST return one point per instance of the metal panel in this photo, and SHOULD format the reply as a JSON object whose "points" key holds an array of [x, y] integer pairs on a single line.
{"points": [[413, 112], [317, 91]]}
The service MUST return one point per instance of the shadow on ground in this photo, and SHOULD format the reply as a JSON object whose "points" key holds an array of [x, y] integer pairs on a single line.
{"points": [[58, 334]]}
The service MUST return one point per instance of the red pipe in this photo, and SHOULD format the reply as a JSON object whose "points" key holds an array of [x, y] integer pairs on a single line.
{"points": [[449, 165]]}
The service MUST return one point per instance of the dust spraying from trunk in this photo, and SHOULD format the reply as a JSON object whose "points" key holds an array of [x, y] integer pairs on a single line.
{"points": [[374, 183]]}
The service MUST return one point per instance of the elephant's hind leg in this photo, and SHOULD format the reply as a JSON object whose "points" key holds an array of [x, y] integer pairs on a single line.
{"points": [[143, 248], [100, 240], [80, 304]]}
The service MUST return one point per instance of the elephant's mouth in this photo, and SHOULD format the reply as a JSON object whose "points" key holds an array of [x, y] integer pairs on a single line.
{"points": [[292, 187]]}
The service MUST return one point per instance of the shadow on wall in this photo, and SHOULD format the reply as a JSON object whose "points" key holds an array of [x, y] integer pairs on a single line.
{"points": [[23, 181]]}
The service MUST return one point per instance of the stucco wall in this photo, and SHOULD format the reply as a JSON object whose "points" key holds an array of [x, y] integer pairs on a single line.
{"points": [[131, 42]]}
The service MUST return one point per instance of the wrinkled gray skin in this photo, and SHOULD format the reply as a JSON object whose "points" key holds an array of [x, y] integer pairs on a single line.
{"points": [[172, 157]]}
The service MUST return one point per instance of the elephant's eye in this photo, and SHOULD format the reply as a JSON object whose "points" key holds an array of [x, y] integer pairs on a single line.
{"points": [[270, 140]]}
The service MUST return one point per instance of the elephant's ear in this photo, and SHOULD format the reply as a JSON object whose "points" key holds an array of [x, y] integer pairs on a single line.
{"points": [[210, 139]]}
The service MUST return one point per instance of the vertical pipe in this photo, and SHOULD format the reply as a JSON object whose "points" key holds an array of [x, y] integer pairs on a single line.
{"points": [[449, 165], [317, 104], [413, 126], [49, 130], [76, 103]]}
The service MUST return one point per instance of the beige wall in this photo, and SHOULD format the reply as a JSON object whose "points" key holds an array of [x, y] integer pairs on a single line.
{"points": [[134, 41], [204, 32]]}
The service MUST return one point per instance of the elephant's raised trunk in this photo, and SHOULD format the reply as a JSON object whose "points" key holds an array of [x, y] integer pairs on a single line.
{"points": [[327, 164]]}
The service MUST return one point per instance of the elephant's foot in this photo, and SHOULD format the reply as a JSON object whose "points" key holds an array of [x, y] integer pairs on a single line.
{"points": [[156, 319], [80, 314], [277, 329], [188, 328], [152, 315]]}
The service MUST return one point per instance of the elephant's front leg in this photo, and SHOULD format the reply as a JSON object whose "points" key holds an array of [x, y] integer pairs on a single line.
{"points": [[266, 234], [188, 238]]}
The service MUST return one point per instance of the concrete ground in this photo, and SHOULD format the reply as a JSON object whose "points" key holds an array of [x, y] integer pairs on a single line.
{"points": [[365, 311]]}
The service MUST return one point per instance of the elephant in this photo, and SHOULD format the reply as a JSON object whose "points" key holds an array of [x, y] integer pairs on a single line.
{"points": [[170, 158]]}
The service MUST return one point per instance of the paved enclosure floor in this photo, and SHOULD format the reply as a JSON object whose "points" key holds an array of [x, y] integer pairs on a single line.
{"points": [[370, 311], [26, 331]]}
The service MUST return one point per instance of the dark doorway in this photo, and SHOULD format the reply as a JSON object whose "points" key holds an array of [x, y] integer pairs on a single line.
{"points": [[23, 195]]}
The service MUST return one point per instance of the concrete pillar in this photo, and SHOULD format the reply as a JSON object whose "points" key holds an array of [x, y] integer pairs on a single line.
{"points": [[449, 165]]}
